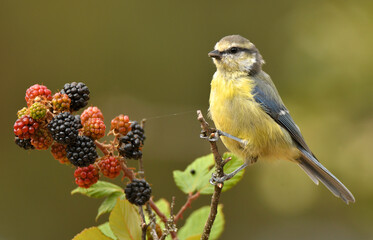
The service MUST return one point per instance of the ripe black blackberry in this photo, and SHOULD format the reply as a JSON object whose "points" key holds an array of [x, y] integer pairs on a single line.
{"points": [[64, 128], [78, 93], [24, 143], [82, 152], [131, 144], [138, 192]]}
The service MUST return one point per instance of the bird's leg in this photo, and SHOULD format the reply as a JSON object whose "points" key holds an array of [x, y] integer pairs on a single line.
{"points": [[215, 179], [241, 141]]}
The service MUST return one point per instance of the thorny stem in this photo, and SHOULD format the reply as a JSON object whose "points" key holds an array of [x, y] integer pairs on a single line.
{"points": [[191, 198], [219, 163], [127, 172]]}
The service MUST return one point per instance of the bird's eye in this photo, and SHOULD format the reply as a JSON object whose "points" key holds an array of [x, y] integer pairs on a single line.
{"points": [[233, 50]]}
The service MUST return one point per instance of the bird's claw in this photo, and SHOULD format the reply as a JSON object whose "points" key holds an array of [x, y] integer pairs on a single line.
{"points": [[218, 180], [214, 136]]}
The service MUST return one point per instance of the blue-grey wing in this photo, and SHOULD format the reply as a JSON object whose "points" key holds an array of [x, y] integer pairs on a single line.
{"points": [[279, 113]]}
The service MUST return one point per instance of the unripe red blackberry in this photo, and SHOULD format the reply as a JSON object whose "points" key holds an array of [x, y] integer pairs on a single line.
{"points": [[94, 128], [82, 152], [86, 176], [121, 124], [38, 111], [37, 91], [41, 139], [91, 112], [131, 145], [61, 102], [25, 127], [58, 151], [24, 143], [109, 166], [138, 192], [22, 112], [64, 127], [78, 93]]}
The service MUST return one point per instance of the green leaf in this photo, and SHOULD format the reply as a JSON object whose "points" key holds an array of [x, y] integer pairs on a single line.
{"points": [[197, 175], [195, 223], [125, 221], [106, 230], [98, 190], [108, 204], [91, 233]]}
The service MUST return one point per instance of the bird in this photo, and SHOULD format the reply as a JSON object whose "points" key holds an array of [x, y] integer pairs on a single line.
{"points": [[251, 118]]}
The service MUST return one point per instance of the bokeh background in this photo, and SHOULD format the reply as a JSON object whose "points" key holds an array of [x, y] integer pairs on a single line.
{"points": [[148, 60]]}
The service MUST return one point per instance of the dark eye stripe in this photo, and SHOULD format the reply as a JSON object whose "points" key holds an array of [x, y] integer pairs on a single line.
{"points": [[238, 49]]}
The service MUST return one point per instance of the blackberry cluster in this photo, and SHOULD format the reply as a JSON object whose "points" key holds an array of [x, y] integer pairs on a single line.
{"points": [[58, 151], [138, 192], [78, 93], [131, 144], [82, 152], [24, 143], [64, 127]]}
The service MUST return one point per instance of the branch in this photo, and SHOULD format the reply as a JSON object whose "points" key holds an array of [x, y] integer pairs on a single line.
{"points": [[219, 163], [102, 147], [162, 217], [127, 172], [143, 224], [187, 204]]}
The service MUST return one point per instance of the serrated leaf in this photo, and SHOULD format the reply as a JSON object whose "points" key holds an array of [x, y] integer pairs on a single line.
{"points": [[195, 223], [197, 175], [98, 190], [125, 221], [108, 204], [91, 233], [106, 230]]}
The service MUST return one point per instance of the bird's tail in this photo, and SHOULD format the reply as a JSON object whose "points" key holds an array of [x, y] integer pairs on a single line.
{"points": [[316, 171]]}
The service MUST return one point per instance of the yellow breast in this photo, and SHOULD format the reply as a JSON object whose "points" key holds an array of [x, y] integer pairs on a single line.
{"points": [[234, 111]]}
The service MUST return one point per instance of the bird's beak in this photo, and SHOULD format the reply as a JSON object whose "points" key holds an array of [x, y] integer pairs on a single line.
{"points": [[215, 54]]}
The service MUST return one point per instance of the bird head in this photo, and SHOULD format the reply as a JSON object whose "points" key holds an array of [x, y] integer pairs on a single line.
{"points": [[236, 54]]}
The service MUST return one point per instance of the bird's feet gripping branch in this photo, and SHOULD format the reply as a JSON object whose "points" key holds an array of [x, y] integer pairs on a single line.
{"points": [[213, 135]]}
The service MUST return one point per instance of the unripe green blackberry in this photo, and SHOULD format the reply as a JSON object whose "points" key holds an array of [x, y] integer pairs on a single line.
{"points": [[138, 192], [82, 152], [64, 127], [78, 93], [37, 111], [24, 143], [22, 112]]}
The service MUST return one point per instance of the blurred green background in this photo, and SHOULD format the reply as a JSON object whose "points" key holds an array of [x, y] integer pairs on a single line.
{"points": [[149, 59]]}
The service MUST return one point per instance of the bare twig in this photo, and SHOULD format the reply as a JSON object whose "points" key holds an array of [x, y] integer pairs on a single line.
{"points": [[153, 221], [103, 147], [144, 226], [191, 198], [127, 172], [219, 163]]}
